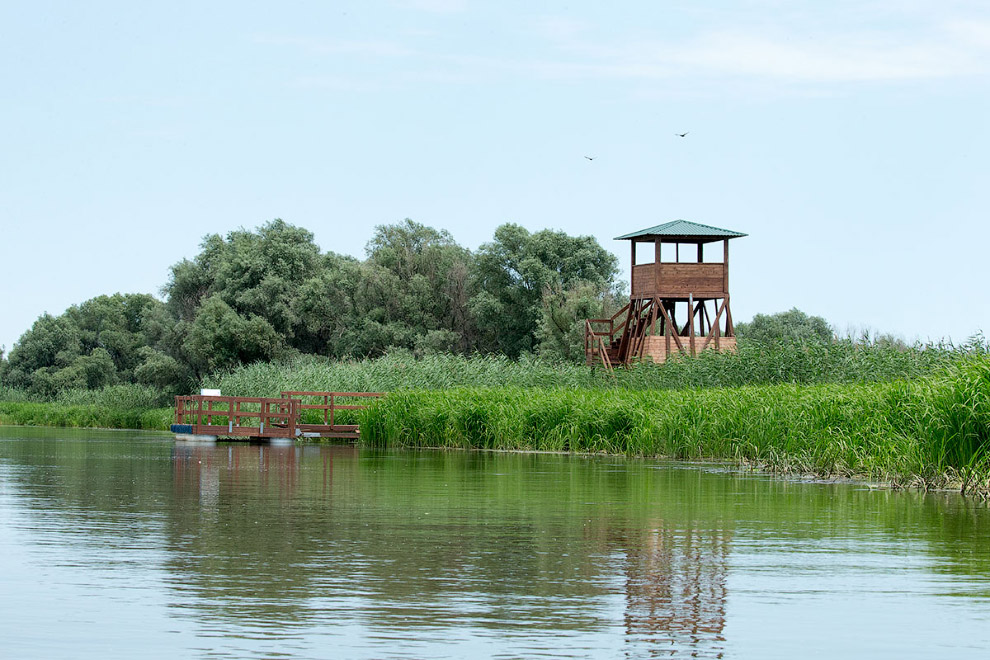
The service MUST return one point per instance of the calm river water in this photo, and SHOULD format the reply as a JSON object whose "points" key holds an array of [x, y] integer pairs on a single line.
{"points": [[118, 544]]}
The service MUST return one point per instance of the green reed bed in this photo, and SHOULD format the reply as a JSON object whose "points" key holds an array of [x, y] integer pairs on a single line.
{"points": [[115, 407], [841, 361], [928, 432], [30, 413]]}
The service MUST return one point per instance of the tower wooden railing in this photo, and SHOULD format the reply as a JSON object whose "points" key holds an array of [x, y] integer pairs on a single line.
{"points": [[598, 341]]}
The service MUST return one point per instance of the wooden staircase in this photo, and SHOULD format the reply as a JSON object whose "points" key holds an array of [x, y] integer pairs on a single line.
{"points": [[623, 342]]}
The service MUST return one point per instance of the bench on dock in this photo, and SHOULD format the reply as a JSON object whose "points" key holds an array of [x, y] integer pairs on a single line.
{"points": [[260, 418]]}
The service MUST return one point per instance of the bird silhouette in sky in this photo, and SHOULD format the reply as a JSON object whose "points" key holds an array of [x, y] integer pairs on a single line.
{"points": [[684, 134], [590, 157]]}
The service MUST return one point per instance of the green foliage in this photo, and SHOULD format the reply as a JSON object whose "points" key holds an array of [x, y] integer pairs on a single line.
{"points": [[91, 345], [51, 343], [415, 293], [121, 325], [83, 416], [116, 396], [164, 372], [220, 338], [839, 362], [560, 333], [254, 273], [399, 369], [926, 432], [118, 406], [793, 326], [512, 272]]}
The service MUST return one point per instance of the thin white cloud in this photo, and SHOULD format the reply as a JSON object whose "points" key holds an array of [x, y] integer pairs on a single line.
{"points": [[435, 6], [373, 47], [336, 84], [867, 58], [560, 28], [959, 48]]}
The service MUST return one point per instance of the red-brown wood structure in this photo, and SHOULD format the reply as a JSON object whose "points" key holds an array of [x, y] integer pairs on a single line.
{"points": [[692, 289], [328, 429], [258, 418]]}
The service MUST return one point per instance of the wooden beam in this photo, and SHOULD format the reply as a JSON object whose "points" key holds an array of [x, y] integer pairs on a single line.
{"points": [[656, 264], [730, 330], [652, 320], [714, 331], [691, 323], [670, 326], [725, 266]]}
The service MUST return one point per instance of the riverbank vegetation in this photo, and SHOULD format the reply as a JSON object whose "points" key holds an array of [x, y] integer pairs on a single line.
{"points": [[271, 295], [485, 349], [117, 407], [905, 416], [756, 362], [931, 432]]}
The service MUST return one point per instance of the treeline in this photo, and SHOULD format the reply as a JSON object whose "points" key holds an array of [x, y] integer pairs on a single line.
{"points": [[271, 295]]}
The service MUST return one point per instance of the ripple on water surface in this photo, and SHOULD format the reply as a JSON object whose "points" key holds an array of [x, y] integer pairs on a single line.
{"points": [[117, 545]]}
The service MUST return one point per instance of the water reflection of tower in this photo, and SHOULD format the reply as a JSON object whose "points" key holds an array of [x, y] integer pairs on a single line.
{"points": [[675, 591]]}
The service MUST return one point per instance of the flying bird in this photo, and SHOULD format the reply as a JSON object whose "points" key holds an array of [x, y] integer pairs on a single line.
{"points": [[590, 157], [684, 134]]}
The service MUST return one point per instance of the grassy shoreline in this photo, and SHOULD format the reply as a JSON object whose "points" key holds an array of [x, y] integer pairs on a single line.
{"points": [[30, 413], [930, 432]]}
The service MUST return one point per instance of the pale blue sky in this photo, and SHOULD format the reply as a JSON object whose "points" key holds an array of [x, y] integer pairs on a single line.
{"points": [[849, 139]]}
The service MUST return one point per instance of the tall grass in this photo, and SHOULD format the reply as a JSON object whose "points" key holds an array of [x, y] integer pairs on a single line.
{"points": [[843, 361], [32, 413], [928, 431], [118, 406]]}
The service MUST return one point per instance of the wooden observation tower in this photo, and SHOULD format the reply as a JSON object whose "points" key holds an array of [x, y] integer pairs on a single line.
{"points": [[679, 300]]}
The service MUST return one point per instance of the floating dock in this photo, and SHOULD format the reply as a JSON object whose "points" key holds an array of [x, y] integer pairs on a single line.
{"points": [[207, 417]]}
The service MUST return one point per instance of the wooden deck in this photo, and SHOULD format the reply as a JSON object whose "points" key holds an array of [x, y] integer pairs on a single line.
{"points": [[258, 418]]}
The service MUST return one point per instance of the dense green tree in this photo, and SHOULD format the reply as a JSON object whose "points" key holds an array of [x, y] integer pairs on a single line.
{"points": [[92, 371], [512, 272], [269, 293], [793, 326], [120, 324], [325, 306], [164, 372], [93, 344], [416, 286], [52, 343], [220, 338], [257, 274], [561, 330]]}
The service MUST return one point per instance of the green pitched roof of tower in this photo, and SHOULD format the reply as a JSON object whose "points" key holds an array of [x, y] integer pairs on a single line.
{"points": [[684, 229]]}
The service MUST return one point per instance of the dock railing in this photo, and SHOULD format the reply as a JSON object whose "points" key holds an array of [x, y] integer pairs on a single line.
{"points": [[330, 404], [237, 416]]}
